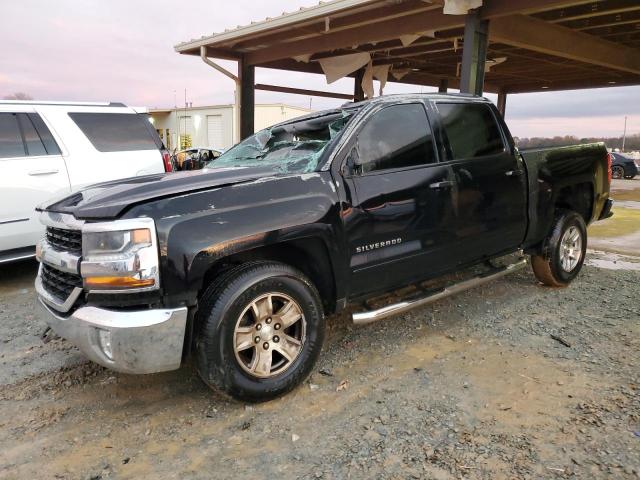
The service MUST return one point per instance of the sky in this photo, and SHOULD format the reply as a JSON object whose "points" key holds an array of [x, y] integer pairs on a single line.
{"points": [[117, 50]]}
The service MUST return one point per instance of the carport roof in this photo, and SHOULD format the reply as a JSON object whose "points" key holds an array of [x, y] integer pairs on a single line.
{"points": [[548, 44]]}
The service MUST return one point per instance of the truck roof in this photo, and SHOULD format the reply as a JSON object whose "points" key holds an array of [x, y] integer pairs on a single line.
{"points": [[410, 96]]}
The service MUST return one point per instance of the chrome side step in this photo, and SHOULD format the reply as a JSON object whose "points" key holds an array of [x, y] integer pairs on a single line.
{"points": [[364, 318]]}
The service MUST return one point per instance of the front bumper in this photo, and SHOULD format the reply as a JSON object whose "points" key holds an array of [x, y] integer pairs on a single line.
{"points": [[142, 341]]}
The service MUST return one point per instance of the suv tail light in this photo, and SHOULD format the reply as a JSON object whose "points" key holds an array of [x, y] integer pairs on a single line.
{"points": [[168, 167], [609, 170]]}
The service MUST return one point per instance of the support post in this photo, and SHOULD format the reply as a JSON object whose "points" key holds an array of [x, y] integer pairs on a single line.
{"points": [[474, 54], [444, 86], [358, 91], [502, 102], [247, 77]]}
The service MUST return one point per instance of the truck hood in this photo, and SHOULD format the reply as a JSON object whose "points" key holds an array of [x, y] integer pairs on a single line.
{"points": [[109, 200]]}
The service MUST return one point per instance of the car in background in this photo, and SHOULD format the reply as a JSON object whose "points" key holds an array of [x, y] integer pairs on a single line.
{"points": [[623, 167], [194, 158], [49, 149]]}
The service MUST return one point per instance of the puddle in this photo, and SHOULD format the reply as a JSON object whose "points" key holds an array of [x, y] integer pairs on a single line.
{"points": [[613, 261], [628, 204]]}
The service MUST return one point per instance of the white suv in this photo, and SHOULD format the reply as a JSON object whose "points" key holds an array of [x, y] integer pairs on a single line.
{"points": [[48, 149]]}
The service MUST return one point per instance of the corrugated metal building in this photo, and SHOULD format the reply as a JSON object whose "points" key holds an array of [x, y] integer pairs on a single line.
{"points": [[212, 126]]}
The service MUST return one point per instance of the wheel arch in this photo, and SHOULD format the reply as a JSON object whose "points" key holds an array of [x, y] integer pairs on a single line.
{"points": [[578, 197], [310, 255]]}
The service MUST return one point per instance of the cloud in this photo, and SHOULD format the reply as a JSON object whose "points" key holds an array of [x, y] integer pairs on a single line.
{"points": [[122, 50]]}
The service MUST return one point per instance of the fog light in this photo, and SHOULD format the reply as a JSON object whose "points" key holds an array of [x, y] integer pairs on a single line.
{"points": [[104, 339]]}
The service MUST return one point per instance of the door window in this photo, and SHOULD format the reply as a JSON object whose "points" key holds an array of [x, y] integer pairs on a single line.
{"points": [[471, 130], [396, 137], [11, 144], [116, 132]]}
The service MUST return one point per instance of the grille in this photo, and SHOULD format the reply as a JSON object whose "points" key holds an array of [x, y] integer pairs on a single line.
{"points": [[58, 283], [65, 240]]}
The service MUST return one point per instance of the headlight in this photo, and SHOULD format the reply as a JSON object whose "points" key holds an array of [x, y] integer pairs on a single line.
{"points": [[120, 256], [114, 245]]}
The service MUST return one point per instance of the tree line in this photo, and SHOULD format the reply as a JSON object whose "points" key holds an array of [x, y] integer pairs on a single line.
{"points": [[632, 143]]}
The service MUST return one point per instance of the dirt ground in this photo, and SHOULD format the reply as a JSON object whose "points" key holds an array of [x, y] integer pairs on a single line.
{"points": [[510, 380]]}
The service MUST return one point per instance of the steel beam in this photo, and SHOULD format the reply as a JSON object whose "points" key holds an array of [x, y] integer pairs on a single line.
{"points": [[358, 91], [502, 102], [539, 36], [474, 54], [303, 91], [247, 77]]}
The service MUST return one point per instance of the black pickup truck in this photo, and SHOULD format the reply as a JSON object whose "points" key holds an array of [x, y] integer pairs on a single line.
{"points": [[241, 262]]}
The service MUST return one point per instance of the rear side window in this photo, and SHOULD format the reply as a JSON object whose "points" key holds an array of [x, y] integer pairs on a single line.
{"points": [[25, 134], [116, 132], [10, 138], [396, 137], [31, 138], [47, 139], [471, 130]]}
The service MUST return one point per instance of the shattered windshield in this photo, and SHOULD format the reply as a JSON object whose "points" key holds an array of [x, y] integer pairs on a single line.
{"points": [[292, 148]]}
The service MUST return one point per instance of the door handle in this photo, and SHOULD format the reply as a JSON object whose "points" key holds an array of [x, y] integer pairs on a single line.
{"points": [[514, 173], [445, 184], [35, 173]]}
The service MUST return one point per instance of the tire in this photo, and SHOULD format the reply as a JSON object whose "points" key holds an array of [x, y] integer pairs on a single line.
{"points": [[563, 258], [617, 172], [239, 332]]}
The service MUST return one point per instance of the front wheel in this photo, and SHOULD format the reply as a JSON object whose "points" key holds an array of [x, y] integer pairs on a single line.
{"points": [[261, 332], [617, 172], [564, 253]]}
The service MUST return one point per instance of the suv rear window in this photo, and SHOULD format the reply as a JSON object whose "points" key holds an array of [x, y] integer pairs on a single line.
{"points": [[116, 132], [471, 130]]}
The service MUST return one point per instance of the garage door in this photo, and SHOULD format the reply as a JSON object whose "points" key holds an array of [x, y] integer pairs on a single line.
{"points": [[214, 131]]}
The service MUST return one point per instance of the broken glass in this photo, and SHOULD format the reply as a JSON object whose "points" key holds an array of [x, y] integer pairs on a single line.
{"points": [[294, 147]]}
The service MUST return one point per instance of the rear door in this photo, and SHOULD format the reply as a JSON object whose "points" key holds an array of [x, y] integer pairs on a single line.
{"points": [[397, 223], [32, 170], [491, 192]]}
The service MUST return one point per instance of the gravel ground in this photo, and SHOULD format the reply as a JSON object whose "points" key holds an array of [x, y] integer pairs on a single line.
{"points": [[507, 381], [471, 387]]}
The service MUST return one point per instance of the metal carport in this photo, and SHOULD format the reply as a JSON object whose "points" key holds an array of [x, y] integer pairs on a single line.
{"points": [[497, 46]]}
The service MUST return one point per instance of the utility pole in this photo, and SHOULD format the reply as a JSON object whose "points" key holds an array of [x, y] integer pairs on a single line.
{"points": [[624, 135], [177, 122], [185, 114]]}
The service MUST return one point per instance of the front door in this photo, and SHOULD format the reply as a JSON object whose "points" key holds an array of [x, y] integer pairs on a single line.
{"points": [[397, 225], [33, 171], [490, 206]]}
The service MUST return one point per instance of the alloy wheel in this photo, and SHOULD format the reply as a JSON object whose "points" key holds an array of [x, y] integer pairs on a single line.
{"points": [[269, 335]]}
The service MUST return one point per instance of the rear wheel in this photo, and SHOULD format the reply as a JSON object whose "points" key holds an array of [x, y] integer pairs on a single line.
{"points": [[262, 331], [564, 253]]}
